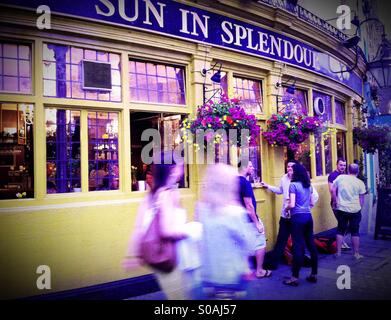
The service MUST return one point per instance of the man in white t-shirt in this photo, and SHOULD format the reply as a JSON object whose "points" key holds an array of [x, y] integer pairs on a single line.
{"points": [[348, 195]]}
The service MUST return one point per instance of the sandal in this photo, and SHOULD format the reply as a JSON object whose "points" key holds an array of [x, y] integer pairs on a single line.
{"points": [[267, 274], [290, 282]]}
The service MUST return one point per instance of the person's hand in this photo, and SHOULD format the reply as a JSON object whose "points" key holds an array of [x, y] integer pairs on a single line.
{"points": [[264, 185], [130, 263], [260, 227]]}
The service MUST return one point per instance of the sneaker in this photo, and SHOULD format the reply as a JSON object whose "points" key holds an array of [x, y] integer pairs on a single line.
{"points": [[345, 246], [358, 256]]}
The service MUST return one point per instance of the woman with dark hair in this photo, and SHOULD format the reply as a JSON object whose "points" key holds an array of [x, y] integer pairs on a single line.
{"points": [[301, 200], [163, 198]]}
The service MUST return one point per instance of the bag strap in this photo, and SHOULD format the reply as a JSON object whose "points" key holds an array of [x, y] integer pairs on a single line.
{"points": [[156, 208]]}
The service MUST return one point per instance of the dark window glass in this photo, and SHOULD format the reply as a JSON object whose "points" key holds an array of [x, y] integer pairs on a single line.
{"points": [[328, 155], [63, 151], [167, 125], [339, 112], [318, 155], [341, 145]]}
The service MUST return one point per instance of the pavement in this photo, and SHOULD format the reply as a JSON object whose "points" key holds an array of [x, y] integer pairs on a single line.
{"points": [[369, 279]]}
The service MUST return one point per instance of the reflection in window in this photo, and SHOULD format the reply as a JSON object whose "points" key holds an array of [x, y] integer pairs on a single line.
{"points": [[218, 89], [328, 154], [62, 73], [303, 155], [103, 151], [250, 94], [255, 158], [339, 112], [318, 154], [151, 82], [15, 67], [16, 151], [341, 145], [63, 151], [327, 116], [296, 102], [168, 127]]}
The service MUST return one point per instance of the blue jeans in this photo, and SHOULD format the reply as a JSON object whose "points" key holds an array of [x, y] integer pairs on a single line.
{"points": [[302, 229]]}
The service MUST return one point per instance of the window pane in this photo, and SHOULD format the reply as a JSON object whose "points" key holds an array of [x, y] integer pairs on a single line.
{"points": [[16, 151], [250, 94], [10, 50], [170, 139], [151, 82], [63, 63], [339, 112], [24, 52], [10, 67], [103, 151], [295, 101], [11, 84], [255, 158], [328, 155], [341, 145], [303, 155], [24, 68], [327, 116], [63, 151], [25, 85], [318, 155], [15, 66]]}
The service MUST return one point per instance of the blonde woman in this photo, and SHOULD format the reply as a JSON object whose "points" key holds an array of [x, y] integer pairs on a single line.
{"points": [[224, 245]]}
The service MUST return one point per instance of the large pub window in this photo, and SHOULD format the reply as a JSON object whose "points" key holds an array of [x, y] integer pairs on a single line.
{"points": [[16, 151], [167, 125]]}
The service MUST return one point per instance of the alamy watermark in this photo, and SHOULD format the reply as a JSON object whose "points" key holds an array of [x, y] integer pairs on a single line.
{"points": [[344, 281], [44, 281], [202, 147]]}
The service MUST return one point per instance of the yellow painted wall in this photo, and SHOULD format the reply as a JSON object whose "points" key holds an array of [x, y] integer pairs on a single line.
{"points": [[83, 237]]}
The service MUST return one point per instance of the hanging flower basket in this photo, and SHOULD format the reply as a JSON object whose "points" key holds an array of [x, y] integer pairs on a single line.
{"points": [[290, 129], [373, 138], [214, 118]]}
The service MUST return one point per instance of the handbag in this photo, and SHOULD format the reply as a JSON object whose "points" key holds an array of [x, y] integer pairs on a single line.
{"points": [[156, 251]]}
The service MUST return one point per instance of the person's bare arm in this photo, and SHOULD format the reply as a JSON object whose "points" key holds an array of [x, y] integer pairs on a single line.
{"points": [[251, 211], [276, 190], [292, 201], [362, 199], [330, 188], [334, 196]]}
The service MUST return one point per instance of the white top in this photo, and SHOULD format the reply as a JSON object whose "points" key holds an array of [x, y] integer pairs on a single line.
{"points": [[349, 189], [284, 190]]}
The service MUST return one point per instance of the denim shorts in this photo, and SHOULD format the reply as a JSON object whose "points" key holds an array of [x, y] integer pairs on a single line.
{"points": [[348, 222], [257, 239]]}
